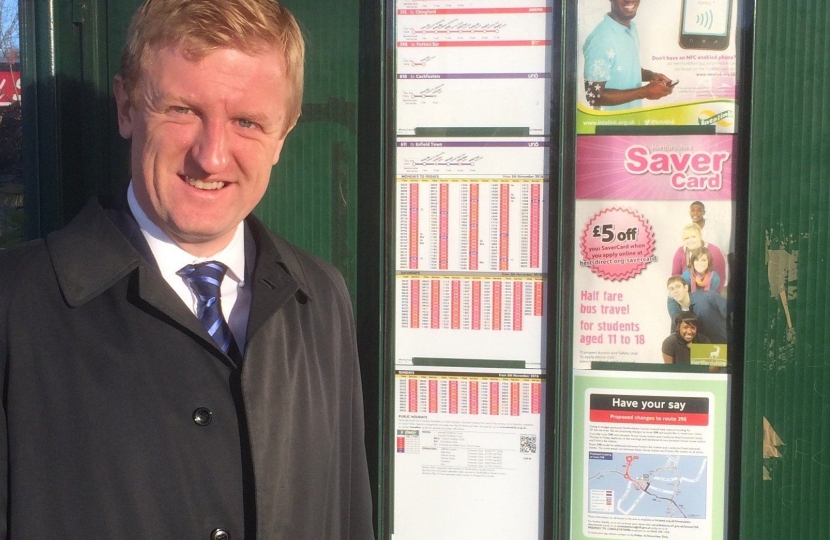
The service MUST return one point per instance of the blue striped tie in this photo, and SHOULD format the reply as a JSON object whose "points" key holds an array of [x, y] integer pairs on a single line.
{"points": [[204, 280]]}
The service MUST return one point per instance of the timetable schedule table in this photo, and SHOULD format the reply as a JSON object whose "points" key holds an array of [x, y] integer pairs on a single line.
{"points": [[471, 193]]}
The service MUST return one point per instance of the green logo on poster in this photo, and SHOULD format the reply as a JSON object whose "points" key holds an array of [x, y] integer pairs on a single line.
{"points": [[709, 354]]}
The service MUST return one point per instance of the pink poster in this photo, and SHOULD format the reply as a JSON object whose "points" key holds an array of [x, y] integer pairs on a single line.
{"points": [[653, 235]]}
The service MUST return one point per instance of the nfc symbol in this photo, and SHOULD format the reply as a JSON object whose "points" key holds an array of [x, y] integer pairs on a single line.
{"points": [[706, 19]]}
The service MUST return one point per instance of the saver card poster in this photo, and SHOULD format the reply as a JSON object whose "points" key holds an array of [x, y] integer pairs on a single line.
{"points": [[656, 63], [653, 233], [649, 456]]}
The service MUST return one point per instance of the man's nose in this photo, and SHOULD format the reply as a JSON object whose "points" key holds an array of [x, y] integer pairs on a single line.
{"points": [[210, 149]]}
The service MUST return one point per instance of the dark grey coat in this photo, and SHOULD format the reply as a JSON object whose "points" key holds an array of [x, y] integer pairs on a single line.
{"points": [[104, 366]]}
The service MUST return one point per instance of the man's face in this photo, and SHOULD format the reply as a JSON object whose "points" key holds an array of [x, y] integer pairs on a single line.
{"points": [[696, 212], [205, 134], [687, 331], [678, 290], [624, 10]]}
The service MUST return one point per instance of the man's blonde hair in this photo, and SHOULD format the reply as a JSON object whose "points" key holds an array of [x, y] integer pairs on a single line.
{"points": [[202, 26]]}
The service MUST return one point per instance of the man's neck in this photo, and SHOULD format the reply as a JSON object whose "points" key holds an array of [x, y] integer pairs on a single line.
{"points": [[686, 302], [624, 22]]}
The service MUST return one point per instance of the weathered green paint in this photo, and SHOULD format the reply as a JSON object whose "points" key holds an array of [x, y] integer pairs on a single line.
{"points": [[787, 374], [312, 200]]}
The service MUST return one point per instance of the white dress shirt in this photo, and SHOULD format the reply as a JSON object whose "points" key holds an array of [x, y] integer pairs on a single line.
{"points": [[235, 295]]}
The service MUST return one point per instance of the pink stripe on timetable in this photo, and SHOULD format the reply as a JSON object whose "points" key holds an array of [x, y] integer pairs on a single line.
{"points": [[433, 396], [504, 227], [515, 397], [455, 306], [435, 304], [453, 397], [518, 305], [473, 397], [473, 248], [475, 11], [415, 303], [443, 226], [412, 392], [504, 43], [536, 398], [538, 298], [535, 223], [476, 305], [414, 202], [494, 398], [400, 444], [496, 301]]}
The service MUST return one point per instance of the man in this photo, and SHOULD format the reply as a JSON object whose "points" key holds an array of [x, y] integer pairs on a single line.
{"points": [[708, 306], [677, 347], [697, 211], [613, 75], [171, 368]]}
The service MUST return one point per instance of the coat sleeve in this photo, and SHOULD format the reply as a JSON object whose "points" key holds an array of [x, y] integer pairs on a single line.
{"points": [[4, 436], [674, 308], [678, 263], [13, 264], [359, 493]]}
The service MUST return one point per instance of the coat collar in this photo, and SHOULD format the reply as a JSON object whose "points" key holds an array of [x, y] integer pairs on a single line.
{"points": [[92, 253]]}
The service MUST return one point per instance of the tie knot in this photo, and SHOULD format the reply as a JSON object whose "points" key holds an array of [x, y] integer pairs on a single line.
{"points": [[205, 280], [206, 276]]}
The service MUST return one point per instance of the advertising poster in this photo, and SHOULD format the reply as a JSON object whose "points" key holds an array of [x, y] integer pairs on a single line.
{"points": [[472, 152], [653, 233], [649, 456], [656, 63]]}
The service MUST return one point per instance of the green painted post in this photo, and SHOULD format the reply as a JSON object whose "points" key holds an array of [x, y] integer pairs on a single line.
{"points": [[785, 473]]}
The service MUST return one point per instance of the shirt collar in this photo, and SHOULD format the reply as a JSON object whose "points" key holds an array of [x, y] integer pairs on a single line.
{"points": [[619, 27], [171, 258]]}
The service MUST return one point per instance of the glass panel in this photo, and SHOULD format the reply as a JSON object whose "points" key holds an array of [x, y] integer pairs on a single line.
{"points": [[472, 154], [654, 215], [11, 167]]}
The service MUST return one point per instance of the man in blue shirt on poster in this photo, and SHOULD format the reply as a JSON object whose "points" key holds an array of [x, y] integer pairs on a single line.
{"points": [[613, 75]]}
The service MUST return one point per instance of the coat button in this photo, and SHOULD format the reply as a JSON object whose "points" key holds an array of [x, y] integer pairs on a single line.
{"points": [[202, 416], [220, 534]]}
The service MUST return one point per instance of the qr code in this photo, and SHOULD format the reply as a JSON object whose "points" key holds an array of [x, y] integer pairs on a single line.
{"points": [[527, 444]]}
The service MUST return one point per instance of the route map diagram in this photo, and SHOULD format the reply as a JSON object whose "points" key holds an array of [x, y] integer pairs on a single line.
{"points": [[647, 485]]}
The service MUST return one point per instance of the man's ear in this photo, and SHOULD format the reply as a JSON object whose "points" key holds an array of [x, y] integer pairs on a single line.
{"points": [[124, 106]]}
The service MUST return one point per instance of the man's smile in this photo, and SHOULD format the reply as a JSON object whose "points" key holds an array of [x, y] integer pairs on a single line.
{"points": [[201, 184]]}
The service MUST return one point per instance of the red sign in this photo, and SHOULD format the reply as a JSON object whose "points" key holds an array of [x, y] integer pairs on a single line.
{"points": [[9, 85]]}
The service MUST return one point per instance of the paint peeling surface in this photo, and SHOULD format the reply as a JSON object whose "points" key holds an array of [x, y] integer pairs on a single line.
{"points": [[771, 441], [782, 272], [769, 450]]}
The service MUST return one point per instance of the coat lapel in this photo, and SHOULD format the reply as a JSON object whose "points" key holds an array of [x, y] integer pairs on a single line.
{"points": [[277, 276], [97, 249]]}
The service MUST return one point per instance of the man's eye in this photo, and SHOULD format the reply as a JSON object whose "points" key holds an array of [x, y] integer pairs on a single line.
{"points": [[180, 110], [243, 123]]}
